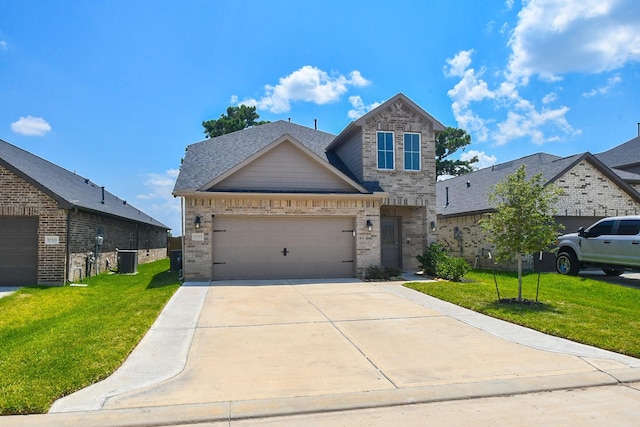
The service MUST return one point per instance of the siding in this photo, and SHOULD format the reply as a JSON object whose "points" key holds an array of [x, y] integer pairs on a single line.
{"points": [[284, 168], [350, 152]]}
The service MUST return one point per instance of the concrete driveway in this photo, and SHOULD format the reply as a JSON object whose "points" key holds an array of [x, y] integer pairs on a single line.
{"points": [[237, 351]]}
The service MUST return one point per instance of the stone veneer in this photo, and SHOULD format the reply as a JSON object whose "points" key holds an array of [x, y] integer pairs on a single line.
{"points": [[197, 258]]}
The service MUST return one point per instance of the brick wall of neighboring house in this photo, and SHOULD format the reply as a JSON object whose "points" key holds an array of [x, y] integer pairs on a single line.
{"points": [[589, 196], [151, 242], [197, 262], [19, 198]]}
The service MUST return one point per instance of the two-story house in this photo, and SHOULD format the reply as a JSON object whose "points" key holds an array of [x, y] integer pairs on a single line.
{"points": [[282, 200]]}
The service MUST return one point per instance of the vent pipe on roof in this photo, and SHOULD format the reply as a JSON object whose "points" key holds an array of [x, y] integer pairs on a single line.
{"points": [[446, 189], [102, 195], [315, 124], [638, 128]]}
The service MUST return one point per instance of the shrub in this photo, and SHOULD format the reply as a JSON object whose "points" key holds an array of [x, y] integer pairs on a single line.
{"points": [[378, 273], [452, 268], [431, 257], [435, 262]]}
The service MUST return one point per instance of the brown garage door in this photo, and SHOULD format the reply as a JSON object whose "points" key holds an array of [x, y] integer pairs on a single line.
{"points": [[283, 248], [18, 250]]}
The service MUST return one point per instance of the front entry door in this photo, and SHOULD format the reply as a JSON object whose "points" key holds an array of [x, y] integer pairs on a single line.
{"points": [[391, 243]]}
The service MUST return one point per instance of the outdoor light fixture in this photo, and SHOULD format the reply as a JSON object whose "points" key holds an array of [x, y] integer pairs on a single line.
{"points": [[197, 222], [433, 226], [369, 225]]}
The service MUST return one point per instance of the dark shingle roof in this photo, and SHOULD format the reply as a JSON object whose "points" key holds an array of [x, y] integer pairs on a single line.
{"points": [[67, 188], [473, 197], [625, 154], [207, 160]]}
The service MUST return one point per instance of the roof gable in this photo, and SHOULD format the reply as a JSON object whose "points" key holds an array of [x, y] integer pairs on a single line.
{"points": [[68, 189], [207, 160], [398, 101], [285, 165]]}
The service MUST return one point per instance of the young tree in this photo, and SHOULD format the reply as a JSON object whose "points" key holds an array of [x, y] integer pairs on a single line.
{"points": [[237, 118], [523, 220], [448, 142]]}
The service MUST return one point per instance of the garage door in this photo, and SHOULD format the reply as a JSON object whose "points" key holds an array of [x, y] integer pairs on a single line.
{"points": [[279, 248], [18, 250]]}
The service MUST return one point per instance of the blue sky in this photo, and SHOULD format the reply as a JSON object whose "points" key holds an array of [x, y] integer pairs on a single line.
{"points": [[115, 90]]}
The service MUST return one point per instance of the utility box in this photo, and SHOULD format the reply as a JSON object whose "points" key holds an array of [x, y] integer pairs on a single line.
{"points": [[175, 258], [127, 261]]}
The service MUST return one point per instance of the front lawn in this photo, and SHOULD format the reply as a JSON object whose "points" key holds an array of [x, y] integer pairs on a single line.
{"points": [[580, 309], [56, 340]]}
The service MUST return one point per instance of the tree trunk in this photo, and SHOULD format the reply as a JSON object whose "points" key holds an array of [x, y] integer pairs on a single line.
{"points": [[519, 277]]}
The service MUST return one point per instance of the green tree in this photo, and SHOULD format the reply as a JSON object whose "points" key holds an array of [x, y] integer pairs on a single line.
{"points": [[523, 221], [448, 142], [237, 118]]}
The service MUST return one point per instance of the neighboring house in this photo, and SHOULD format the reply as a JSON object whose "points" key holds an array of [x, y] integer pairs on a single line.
{"points": [[51, 219], [624, 160], [592, 191], [285, 201]]}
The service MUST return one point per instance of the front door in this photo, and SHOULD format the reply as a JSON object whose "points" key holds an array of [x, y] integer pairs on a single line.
{"points": [[391, 243]]}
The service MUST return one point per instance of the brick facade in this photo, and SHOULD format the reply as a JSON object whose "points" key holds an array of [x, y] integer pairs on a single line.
{"points": [[588, 196], [197, 257], [412, 194], [20, 198]]}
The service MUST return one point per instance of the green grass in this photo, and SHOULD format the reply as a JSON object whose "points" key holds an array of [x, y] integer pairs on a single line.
{"points": [[56, 340], [580, 309]]}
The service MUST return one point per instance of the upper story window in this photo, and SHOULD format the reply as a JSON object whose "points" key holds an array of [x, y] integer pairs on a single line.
{"points": [[385, 150], [412, 151]]}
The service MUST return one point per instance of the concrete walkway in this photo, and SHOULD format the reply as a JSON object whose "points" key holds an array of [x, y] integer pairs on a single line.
{"points": [[315, 353]]}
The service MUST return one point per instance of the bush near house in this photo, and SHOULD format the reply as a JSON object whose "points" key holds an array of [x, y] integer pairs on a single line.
{"points": [[435, 262]]}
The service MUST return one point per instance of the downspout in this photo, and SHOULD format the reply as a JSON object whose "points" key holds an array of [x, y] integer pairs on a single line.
{"points": [[68, 245]]}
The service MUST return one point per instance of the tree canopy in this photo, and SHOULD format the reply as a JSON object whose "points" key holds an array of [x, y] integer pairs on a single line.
{"points": [[237, 118], [523, 221], [448, 142]]}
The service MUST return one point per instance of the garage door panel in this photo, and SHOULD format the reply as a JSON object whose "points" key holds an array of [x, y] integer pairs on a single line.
{"points": [[254, 248], [18, 250]]}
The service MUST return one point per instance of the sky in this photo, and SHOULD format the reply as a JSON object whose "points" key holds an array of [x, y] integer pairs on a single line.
{"points": [[115, 90]]}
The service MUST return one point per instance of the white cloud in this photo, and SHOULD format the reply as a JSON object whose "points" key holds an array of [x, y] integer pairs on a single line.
{"points": [[458, 64], [308, 84], [484, 160], [359, 108], [158, 201], [508, 4], [553, 37], [31, 126], [522, 120], [611, 82], [4, 45]]}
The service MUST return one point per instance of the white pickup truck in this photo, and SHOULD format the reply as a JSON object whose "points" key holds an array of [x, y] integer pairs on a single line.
{"points": [[612, 244]]}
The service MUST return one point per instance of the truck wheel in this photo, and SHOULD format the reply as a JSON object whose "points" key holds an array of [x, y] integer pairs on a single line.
{"points": [[612, 271], [567, 263]]}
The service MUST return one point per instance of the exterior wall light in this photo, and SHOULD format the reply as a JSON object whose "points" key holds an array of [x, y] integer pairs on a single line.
{"points": [[197, 222], [369, 225], [433, 226]]}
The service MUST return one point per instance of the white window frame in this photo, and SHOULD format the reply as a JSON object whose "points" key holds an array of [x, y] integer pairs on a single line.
{"points": [[393, 148], [404, 152]]}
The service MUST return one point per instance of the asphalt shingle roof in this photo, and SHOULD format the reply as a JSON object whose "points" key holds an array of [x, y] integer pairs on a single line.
{"points": [[622, 155], [207, 160], [469, 192], [67, 188]]}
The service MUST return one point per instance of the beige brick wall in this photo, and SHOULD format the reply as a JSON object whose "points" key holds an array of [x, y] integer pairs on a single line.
{"points": [[588, 194], [197, 261]]}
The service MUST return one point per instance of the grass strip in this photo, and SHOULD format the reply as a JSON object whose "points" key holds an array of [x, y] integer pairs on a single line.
{"points": [[577, 308], [57, 340]]}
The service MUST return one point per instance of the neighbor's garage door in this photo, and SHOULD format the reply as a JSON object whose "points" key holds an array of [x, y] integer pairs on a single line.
{"points": [[279, 248], [18, 250]]}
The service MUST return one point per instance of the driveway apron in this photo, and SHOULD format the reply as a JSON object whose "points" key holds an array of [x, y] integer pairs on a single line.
{"points": [[326, 346]]}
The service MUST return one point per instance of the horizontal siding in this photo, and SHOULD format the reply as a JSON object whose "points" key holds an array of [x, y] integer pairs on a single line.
{"points": [[284, 168], [350, 152]]}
